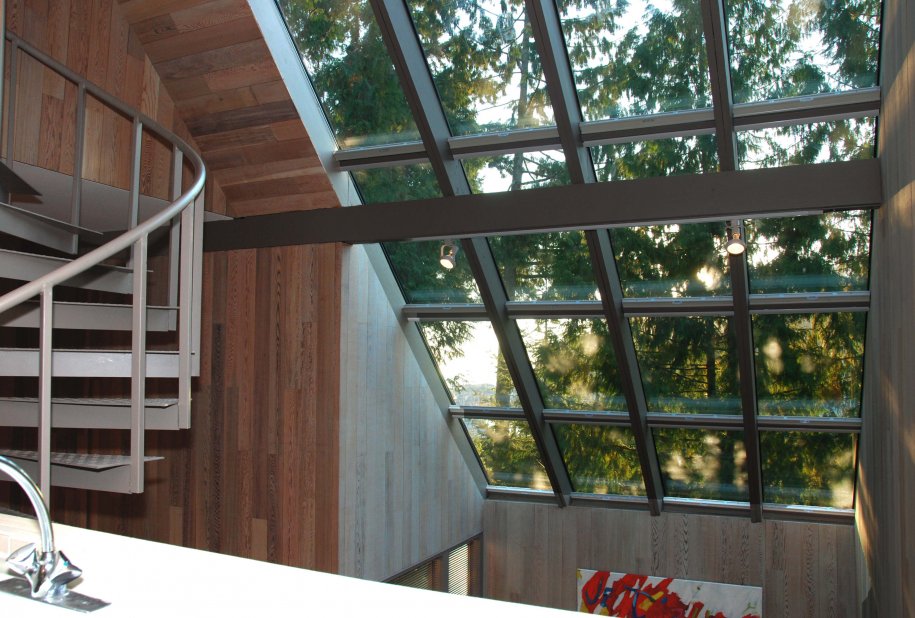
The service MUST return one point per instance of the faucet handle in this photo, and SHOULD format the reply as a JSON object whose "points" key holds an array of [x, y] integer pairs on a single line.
{"points": [[48, 573]]}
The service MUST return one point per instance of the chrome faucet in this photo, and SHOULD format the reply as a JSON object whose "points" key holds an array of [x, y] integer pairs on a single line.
{"points": [[47, 570]]}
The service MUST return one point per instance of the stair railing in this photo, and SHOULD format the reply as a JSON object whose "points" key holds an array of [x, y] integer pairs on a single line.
{"points": [[187, 232]]}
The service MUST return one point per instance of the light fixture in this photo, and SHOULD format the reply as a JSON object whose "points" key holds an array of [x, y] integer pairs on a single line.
{"points": [[447, 256], [736, 243]]}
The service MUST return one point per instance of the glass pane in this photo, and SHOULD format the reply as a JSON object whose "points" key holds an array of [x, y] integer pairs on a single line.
{"points": [[815, 469], [469, 360], [574, 364], [554, 266], [809, 364], [703, 464], [785, 48], [820, 253], [484, 62], [821, 142], [672, 260], [524, 170], [347, 61], [601, 460], [637, 56], [663, 157], [508, 453], [397, 184], [424, 280], [688, 365]]}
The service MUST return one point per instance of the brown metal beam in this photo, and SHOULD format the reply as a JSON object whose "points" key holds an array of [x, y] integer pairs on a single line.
{"points": [[725, 195]]}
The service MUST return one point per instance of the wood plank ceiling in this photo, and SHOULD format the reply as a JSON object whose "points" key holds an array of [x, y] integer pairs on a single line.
{"points": [[214, 62]]}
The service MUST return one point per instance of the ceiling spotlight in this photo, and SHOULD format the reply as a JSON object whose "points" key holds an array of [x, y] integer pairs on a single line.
{"points": [[447, 256], [736, 243]]}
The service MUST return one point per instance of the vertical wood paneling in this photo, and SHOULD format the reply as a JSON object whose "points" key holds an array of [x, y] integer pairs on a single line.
{"points": [[532, 551], [249, 478], [93, 39], [886, 477], [405, 491]]}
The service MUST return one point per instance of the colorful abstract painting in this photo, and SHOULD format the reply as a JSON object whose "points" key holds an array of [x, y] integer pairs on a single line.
{"points": [[628, 595]]}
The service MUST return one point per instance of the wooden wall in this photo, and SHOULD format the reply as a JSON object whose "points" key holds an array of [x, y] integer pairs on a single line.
{"points": [[215, 63], [257, 474], [405, 491], [531, 552], [92, 38], [886, 476]]}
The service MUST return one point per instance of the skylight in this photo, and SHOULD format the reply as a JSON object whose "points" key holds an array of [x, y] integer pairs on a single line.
{"points": [[632, 363]]}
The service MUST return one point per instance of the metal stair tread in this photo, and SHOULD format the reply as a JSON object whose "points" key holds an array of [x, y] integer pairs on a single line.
{"points": [[63, 225], [89, 351], [83, 461], [96, 401], [122, 269], [72, 303]]}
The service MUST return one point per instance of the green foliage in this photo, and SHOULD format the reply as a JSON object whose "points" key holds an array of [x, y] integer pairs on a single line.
{"points": [[630, 58]]}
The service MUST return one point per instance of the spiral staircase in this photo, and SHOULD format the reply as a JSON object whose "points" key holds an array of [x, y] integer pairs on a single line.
{"points": [[82, 347]]}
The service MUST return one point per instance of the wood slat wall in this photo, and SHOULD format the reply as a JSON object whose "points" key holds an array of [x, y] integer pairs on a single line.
{"points": [[886, 476], [92, 39], [257, 474], [531, 553], [405, 491], [213, 60]]}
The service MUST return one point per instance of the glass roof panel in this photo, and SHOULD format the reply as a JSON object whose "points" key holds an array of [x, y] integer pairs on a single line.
{"points": [[819, 253], [507, 452], [513, 172], [342, 50], [553, 266], [809, 364], [601, 460], [702, 464], [397, 184], [672, 260], [819, 142], [688, 364], [574, 364], [633, 57], [815, 469], [786, 48], [484, 63], [663, 157], [468, 358], [423, 280]]}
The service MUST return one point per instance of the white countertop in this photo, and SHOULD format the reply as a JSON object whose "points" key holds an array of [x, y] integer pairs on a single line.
{"points": [[142, 578]]}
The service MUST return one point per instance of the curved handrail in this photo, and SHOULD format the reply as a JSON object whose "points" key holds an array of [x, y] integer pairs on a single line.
{"points": [[128, 238]]}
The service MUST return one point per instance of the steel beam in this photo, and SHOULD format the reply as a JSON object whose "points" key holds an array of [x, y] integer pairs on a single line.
{"points": [[486, 412], [589, 417], [515, 355], [402, 43], [817, 302], [714, 23], [648, 127], [547, 28], [796, 189], [685, 123], [715, 29], [370, 157]]}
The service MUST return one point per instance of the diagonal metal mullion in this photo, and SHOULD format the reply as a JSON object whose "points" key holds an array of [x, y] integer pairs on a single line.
{"points": [[560, 82], [401, 40], [714, 22]]}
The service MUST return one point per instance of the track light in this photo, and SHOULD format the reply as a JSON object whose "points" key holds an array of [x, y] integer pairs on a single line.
{"points": [[736, 242], [447, 256]]}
